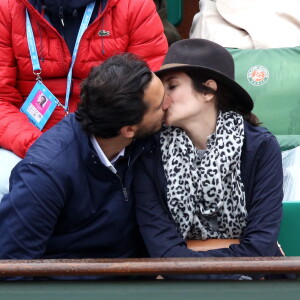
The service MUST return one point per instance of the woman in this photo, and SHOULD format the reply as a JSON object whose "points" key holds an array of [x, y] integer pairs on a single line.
{"points": [[212, 174]]}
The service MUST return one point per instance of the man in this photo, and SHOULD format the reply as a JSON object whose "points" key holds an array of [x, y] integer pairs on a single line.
{"points": [[70, 196], [114, 26]]}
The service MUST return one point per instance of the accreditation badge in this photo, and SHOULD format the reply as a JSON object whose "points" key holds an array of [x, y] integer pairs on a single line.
{"points": [[39, 105]]}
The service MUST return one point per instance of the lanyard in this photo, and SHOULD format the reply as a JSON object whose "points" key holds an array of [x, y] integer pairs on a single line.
{"points": [[33, 52]]}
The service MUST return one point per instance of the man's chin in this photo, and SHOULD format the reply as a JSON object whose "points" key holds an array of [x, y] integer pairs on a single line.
{"points": [[167, 123], [144, 133]]}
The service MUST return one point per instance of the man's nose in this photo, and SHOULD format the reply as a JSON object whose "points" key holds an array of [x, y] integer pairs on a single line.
{"points": [[167, 102]]}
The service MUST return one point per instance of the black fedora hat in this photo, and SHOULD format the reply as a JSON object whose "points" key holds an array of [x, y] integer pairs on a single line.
{"points": [[208, 58]]}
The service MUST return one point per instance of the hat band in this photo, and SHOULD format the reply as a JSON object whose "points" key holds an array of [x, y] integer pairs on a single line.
{"points": [[167, 66]]}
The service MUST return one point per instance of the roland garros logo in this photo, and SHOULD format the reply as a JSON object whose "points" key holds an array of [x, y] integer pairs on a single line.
{"points": [[258, 75]]}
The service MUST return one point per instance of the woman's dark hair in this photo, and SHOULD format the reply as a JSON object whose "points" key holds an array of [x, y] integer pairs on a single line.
{"points": [[112, 95], [226, 100]]}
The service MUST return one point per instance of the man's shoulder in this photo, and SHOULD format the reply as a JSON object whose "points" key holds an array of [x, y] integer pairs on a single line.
{"points": [[63, 141]]}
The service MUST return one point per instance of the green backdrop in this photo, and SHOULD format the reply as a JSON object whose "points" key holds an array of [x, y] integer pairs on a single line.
{"points": [[272, 78]]}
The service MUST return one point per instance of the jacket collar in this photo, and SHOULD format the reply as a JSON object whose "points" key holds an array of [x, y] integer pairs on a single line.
{"points": [[62, 7], [76, 3], [89, 153], [30, 4]]}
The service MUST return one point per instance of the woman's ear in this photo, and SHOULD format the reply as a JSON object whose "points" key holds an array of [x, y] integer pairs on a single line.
{"points": [[213, 85]]}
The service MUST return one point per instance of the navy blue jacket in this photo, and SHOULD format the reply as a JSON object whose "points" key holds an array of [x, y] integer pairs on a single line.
{"points": [[64, 203], [261, 170]]}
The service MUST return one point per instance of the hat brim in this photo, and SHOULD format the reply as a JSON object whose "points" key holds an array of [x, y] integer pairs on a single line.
{"points": [[242, 96]]}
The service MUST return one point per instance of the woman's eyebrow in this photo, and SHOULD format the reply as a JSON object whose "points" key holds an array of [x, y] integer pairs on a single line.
{"points": [[170, 78]]}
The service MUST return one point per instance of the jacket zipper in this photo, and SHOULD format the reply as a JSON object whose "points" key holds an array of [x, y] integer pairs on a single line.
{"points": [[125, 194], [41, 57], [124, 189], [130, 163], [160, 191], [102, 39]]}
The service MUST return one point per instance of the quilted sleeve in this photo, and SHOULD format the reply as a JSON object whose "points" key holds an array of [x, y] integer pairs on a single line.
{"points": [[16, 132], [30, 211]]}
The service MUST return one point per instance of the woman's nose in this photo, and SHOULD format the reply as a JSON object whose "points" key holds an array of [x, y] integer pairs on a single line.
{"points": [[167, 102]]}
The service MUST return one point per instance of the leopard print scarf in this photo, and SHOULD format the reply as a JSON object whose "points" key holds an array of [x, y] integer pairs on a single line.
{"points": [[200, 191]]}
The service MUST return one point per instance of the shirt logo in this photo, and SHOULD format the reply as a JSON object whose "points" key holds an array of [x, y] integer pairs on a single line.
{"points": [[258, 75], [103, 33]]}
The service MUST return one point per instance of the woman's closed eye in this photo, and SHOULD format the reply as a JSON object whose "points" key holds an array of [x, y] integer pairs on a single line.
{"points": [[172, 87], [171, 83]]}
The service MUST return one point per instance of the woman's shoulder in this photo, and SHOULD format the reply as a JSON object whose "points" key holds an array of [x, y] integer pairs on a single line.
{"points": [[257, 135]]}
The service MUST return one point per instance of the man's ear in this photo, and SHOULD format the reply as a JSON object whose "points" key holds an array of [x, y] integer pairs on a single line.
{"points": [[128, 131]]}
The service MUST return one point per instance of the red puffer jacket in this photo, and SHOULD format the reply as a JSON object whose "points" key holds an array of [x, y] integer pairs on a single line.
{"points": [[133, 26]]}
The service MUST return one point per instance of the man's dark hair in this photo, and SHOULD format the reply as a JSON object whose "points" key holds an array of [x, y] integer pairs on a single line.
{"points": [[112, 95]]}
